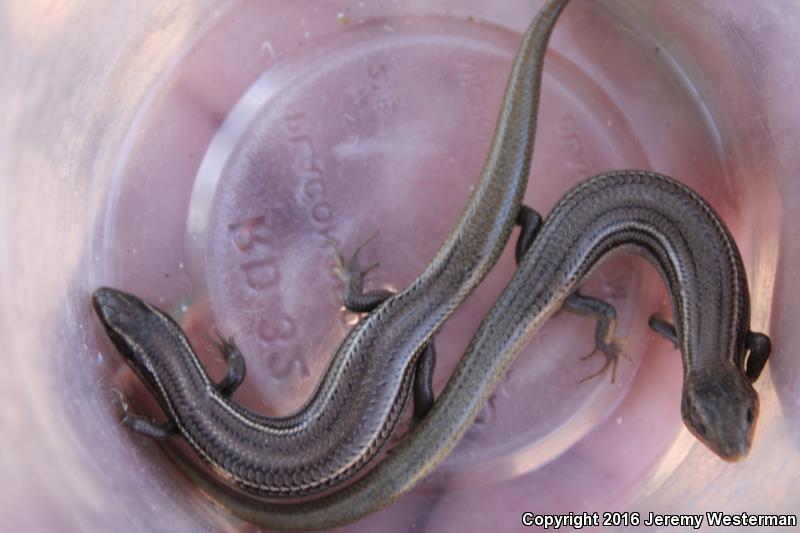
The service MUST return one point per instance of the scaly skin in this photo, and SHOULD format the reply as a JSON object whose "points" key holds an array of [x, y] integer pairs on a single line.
{"points": [[363, 392], [644, 212]]}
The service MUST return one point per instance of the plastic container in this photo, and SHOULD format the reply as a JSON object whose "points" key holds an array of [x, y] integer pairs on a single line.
{"points": [[197, 154]]}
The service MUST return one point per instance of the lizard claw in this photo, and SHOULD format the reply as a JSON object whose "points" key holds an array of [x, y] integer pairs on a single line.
{"points": [[612, 351], [347, 269], [220, 345]]}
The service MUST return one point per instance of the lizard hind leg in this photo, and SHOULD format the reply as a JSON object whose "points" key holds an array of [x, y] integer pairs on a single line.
{"points": [[605, 342]]}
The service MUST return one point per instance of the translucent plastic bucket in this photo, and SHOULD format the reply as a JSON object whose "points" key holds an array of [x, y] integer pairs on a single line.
{"points": [[198, 155]]}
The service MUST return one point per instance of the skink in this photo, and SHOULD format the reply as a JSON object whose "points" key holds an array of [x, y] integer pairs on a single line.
{"points": [[364, 390], [642, 212]]}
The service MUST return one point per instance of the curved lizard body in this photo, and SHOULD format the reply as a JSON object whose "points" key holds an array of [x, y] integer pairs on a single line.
{"points": [[364, 390], [643, 212]]}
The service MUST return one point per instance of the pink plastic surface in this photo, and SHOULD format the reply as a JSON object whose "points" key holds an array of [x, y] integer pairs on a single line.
{"points": [[199, 156]]}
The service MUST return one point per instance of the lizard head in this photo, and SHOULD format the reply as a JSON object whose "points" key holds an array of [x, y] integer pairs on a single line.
{"points": [[136, 328], [721, 412]]}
